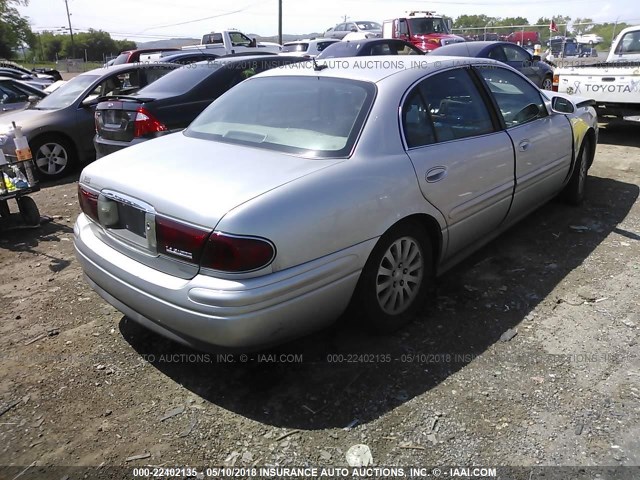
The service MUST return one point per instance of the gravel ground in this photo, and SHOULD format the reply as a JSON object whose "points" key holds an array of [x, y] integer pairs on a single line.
{"points": [[528, 357]]}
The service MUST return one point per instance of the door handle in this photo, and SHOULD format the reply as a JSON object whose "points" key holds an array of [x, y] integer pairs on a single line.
{"points": [[524, 145], [435, 174]]}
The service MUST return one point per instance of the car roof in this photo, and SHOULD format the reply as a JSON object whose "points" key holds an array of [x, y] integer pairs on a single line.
{"points": [[375, 68], [466, 49]]}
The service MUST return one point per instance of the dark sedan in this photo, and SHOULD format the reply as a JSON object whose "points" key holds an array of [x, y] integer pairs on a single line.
{"points": [[60, 127], [171, 103], [368, 47], [513, 55]]}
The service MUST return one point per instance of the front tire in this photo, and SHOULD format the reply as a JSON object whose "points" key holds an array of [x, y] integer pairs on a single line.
{"points": [[574, 192], [396, 278], [53, 155]]}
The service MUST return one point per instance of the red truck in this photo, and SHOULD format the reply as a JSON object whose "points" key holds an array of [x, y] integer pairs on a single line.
{"points": [[524, 38], [425, 30]]}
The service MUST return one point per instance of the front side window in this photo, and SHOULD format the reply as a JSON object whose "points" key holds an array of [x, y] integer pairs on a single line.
{"points": [[519, 101], [239, 39], [308, 116], [515, 54], [455, 105]]}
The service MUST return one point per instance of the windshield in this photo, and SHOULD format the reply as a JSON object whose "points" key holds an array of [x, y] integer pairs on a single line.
{"points": [[67, 93], [309, 116], [369, 26], [122, 58], [425, 26]]}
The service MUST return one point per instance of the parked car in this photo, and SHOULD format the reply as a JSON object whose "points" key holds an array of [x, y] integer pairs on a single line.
{"points": [[368, 47], [32, 79], [60, 127], [301, 190], [524, 37], [589, 39], [37, 72], [16, 95], [308, 48], [132, 56], [171, 103], [536, 70], [342, 29]]}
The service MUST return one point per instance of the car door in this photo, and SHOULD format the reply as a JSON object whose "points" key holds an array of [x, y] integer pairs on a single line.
{"points": [[463, 160], [543, 142]]}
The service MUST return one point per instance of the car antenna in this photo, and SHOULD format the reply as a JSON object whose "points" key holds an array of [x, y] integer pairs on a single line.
{"points": [[317, 67]]}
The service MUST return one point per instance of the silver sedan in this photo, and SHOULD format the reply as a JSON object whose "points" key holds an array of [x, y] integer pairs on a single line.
{"points": [[310, 187]]}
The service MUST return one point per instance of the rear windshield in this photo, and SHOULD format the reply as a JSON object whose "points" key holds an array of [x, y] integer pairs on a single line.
{"points": [[295, 47], [181, 80], [122, 58], [308, 116], [341, 49]]}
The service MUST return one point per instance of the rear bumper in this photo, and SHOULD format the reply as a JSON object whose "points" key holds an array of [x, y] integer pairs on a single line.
{"points": [[104, 147], [205, 312]]}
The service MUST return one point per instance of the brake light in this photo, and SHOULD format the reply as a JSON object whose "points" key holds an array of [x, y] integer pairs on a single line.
{"points": [[556, 83], [88, 202], [145, 123], [232, 253], [179, 240]]}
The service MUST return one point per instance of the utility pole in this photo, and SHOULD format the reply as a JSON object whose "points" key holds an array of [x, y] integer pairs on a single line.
{"points": [[73, 47], [279, 21]]}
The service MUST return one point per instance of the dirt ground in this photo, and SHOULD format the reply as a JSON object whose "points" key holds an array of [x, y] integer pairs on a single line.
{"points": [[528, 357]]}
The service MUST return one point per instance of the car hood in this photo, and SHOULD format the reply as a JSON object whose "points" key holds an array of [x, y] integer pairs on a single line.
{"points": [[196, 180], [27, 119]]}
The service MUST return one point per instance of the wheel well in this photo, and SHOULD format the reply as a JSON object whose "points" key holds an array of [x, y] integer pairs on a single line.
{"points": [[57, 135], [432, 227], [591, 135]]}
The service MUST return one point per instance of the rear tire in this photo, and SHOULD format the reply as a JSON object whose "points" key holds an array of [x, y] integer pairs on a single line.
{"points": [[574, 192], [547, 83], [396, 278]]}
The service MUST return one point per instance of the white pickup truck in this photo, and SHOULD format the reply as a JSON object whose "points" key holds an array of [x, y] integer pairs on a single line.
{"points": [[228, 42], [614, 84]]}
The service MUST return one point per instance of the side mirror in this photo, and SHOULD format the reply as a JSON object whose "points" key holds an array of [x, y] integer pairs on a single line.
{"points": [[536, 58], [562, 105], [89, 102], [449, 24], [33, 98]]}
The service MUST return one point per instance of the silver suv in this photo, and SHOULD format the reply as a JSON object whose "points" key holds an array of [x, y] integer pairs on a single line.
{"points": [[342, 29]]}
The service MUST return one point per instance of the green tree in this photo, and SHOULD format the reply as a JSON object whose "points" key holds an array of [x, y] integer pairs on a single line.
{"points": [[509, 21], [14, 29], [473, 21], [122, 45]]}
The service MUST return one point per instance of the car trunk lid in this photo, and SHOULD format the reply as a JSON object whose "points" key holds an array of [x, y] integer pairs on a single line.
{"points": [[181, 183], [115, 117]]}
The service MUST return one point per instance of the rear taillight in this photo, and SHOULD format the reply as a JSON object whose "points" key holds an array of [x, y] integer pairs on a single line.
{"points": [[145, 123], [88, 202], [556, 83], [179, 240], [231, 253]]}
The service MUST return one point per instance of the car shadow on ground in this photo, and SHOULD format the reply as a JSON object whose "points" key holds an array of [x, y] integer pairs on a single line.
{"points": [[346, 374], [621, 133]]}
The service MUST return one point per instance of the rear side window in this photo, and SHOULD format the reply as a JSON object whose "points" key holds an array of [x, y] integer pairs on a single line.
{"points": [[455, 105]]}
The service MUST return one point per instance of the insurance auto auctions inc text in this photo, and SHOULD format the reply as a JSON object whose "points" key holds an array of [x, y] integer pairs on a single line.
{"points": [[353, 472]]}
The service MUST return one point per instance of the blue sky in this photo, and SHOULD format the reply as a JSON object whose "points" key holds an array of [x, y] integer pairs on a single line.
{"points": [[142, 20]]}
